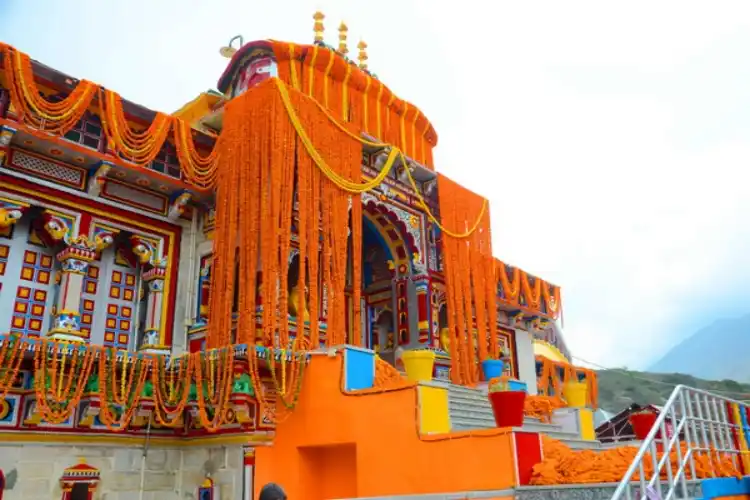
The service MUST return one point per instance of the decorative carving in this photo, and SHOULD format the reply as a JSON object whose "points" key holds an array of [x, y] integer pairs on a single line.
{"points": [[260, 69], [177, 208], [57, 227], [98, 177], [6, 136], [146, 252], [517, 318], [9, 217]]}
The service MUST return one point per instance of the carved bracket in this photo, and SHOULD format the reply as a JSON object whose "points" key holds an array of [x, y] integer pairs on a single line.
{"points": [[97, 178], [6, 136], [177, 206]]}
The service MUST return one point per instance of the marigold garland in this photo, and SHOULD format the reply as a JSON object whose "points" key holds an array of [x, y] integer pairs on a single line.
{"points": [[36, 109], [561, 465], [356, 97], [57, 397], [171, 380], [554, 375], [469, 267], [214, 374], [11, 357], [122, 377], [137, 146], [542, 407]]}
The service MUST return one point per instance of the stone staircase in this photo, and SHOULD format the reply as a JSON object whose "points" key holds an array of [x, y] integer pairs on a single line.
{"points": [[470, 409]]}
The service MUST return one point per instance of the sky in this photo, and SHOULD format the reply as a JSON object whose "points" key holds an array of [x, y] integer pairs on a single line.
{"points": [[612, 138]]}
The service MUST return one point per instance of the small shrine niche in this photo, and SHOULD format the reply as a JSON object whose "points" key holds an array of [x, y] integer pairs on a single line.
{"points": [[79, 482], [208, 490]]}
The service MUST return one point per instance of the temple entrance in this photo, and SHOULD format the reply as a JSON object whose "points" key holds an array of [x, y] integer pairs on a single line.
{"points": [[386, 288]]}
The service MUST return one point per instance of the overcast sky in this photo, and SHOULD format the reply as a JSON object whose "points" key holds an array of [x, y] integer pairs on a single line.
{"points": [[613, 139]]}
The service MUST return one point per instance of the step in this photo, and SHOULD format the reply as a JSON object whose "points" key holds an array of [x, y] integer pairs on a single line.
{"points": [[595, 491], [529, 424], [478, 402], [466, 495]]}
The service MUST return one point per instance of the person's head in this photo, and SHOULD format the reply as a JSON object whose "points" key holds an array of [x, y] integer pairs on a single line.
{"points": [[272, 491]]}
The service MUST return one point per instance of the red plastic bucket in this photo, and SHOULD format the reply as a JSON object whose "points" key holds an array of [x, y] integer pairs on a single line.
{"points": [[642, 424], [507, 406]]}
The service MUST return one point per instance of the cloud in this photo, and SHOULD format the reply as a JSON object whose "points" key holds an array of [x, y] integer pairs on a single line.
{"points": [[612, 140]]}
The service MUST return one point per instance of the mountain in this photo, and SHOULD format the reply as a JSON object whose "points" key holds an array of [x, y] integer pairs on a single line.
{"points": [[716, 352], [620, 388]]}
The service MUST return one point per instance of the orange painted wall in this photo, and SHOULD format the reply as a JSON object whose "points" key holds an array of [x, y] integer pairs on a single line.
{"points": [[338, 445]]}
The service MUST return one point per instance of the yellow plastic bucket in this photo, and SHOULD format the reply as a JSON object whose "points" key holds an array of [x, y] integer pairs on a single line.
{"points": [[418, 365], [576, 394]]}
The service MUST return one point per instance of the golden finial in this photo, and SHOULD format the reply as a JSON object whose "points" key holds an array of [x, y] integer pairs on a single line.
{"points": [[318, 26], [362, 46], [342, 38]]}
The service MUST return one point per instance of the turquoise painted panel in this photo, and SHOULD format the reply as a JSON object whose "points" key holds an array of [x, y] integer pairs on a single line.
{"points": [[725, 487], [359, 369]]}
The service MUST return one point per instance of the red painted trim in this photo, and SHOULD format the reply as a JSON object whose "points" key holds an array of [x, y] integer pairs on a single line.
{"points": [[2, 484], [172, 233], [528, 447], [153, 311], [85, 202]]}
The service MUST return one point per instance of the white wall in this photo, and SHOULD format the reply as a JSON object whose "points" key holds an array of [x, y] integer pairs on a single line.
{"points": [[526, 362], [169, 473]]}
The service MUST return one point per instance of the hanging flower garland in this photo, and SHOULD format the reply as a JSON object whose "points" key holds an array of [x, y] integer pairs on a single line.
{"points": [[11, 357], [37, 110], [198, 169], [59, 382], [533, 295], [511, 289], [213, 380], [171, 380], [122, 377], [139, 147]]}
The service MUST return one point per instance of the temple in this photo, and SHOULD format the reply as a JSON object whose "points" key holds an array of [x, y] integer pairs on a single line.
{"points": [[272, 284]]}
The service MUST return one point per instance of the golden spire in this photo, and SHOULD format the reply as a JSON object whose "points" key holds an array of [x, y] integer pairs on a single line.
{"points": [[343, 30], [362, 46], [318, 26]]}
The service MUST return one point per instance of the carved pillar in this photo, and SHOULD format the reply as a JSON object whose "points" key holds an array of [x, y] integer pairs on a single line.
{"points": [[75, 261], [152, 331], [424, 323], [402, 311]]}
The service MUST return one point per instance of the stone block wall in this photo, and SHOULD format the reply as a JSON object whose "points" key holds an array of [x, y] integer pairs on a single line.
{"points": [[33, 471]]}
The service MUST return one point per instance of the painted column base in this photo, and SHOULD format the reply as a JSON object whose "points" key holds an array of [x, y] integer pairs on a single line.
{"points": [[67, 336], [433, 409]]}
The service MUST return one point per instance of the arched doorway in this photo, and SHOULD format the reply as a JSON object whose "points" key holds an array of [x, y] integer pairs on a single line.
{"points": [[387, 291]]}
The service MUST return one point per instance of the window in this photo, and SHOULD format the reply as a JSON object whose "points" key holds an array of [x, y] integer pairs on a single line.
{"points": [[166, 161], [87, 132]]}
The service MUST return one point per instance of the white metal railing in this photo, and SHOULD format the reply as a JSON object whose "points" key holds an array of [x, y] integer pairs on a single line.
{"points": [[700, 427]]}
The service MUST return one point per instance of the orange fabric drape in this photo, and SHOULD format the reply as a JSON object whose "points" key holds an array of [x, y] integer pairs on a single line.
{"points": [[470, 280]]}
